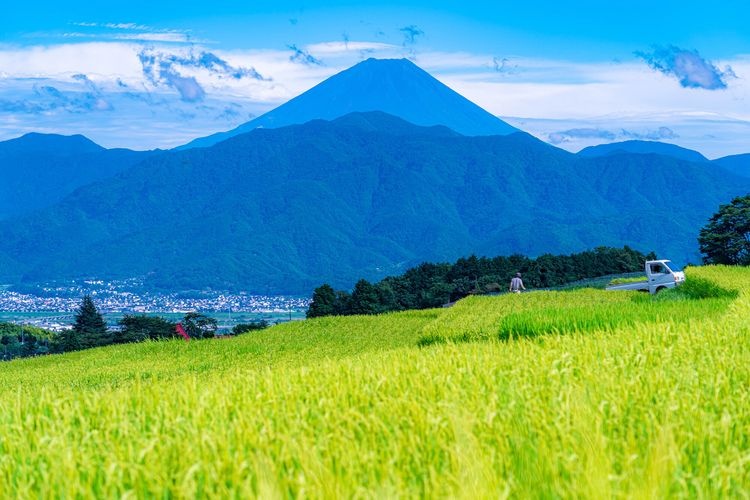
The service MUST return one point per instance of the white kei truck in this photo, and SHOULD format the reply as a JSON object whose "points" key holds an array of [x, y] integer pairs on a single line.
{"points": [[660, 275]]}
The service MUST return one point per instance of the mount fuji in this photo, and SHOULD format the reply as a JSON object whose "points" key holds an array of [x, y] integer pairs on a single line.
{"points": [[394, 86]]}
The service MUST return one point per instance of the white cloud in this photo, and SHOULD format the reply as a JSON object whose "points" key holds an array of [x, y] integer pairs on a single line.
{"points": [[551, 96], [101, 58], [130, 31], [348, 47], [118, 26], [174, 37], [592, 90]]}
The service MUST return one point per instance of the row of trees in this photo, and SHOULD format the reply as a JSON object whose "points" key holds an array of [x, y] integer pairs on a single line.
{"points": [[23, 341], [432, 285], [90, 330]]}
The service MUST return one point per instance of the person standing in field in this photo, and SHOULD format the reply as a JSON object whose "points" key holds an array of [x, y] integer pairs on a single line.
{"points": [[516, 284]]}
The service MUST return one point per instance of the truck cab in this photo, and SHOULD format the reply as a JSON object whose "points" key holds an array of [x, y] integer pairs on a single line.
{"points": [[663, 274]]}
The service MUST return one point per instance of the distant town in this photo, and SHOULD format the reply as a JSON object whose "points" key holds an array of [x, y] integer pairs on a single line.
{"points": [[52, 305]]}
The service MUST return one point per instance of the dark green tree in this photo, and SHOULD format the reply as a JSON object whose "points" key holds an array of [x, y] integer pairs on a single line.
{"points": [[89, 325], [323, 302], [10, 346], [365, 298], [386, 297], [199, 326], [136, 328], [29, 347], [435, 296], [343, 303], [9, 329], [66, 341], [726, 237]]}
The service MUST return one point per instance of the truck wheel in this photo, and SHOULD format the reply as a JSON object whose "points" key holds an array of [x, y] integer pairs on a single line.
{"points": [[659, 289]]}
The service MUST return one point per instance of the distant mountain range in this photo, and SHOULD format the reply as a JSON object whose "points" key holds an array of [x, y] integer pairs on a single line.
{"points": [[280, 206], [737, 164], [38, 170], [394, 86], [642, 147], [368, 194]]}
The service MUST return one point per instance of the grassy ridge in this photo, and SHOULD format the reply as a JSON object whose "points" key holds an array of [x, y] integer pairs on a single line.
{"points": [[350, 406]]}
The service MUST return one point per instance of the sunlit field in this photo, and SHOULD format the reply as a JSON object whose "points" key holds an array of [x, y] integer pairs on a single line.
{"points": [[582, 393]]}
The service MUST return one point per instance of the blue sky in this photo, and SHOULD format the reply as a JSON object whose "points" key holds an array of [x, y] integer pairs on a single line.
{"points": [[157, 74]]}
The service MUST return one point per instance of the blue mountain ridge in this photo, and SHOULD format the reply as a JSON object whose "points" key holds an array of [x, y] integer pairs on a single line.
{"points": [[366, 195], [737, 164], [38, 170], [642, 147], [394, 86]]}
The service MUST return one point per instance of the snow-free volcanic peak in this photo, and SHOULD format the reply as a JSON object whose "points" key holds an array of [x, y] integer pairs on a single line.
{"points": [[394, 86]]}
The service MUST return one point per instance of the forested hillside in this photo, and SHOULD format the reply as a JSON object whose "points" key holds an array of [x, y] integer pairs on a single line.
{"points": [[364, 196]]}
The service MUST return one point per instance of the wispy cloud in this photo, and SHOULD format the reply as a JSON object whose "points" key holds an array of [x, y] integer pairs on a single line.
{"points": [[166, 37], [129, 31], [340, 48], [234, 112], [504, 66], [163, 37], [581, 133], [652, 135], [411, 35], [188, 87], [115, 26], [164, 68], [47, 98], [93, 96], [303, 57], [690, 69], [561, 137]]}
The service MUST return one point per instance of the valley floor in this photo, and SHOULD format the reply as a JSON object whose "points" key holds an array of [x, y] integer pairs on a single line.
{"points": [[583, 393]]}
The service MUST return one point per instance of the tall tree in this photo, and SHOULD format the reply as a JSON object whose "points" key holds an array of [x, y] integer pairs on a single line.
{"points": [[323, 302], [726, 237], [199, 326], [89, 325], [365, 298]]}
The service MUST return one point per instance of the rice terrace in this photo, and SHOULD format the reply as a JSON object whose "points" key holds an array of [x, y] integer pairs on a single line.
{"points": [[515, 395], [413, 249]]}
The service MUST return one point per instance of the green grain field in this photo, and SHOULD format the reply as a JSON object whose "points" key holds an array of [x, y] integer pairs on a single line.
{"points": [[581, 394]]}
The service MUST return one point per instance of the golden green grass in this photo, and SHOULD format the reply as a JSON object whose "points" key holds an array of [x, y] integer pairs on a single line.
{"points": [[655, 405], [622, 281]]}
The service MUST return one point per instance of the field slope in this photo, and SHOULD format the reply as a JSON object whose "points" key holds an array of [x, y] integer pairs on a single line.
{"points": [[582, 394]]}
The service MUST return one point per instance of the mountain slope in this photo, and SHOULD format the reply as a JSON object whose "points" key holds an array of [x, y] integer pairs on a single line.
{"points": [[394, 86], [283, 210], [38, 170], [737, 164], [642, 147], [51, 143]]}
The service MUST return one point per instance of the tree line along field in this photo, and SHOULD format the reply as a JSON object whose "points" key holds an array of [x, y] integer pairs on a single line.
{"points": [[585, 393]]}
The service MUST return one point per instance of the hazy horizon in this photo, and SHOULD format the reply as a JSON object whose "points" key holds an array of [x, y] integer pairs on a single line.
{"points": [[146, 76]]}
